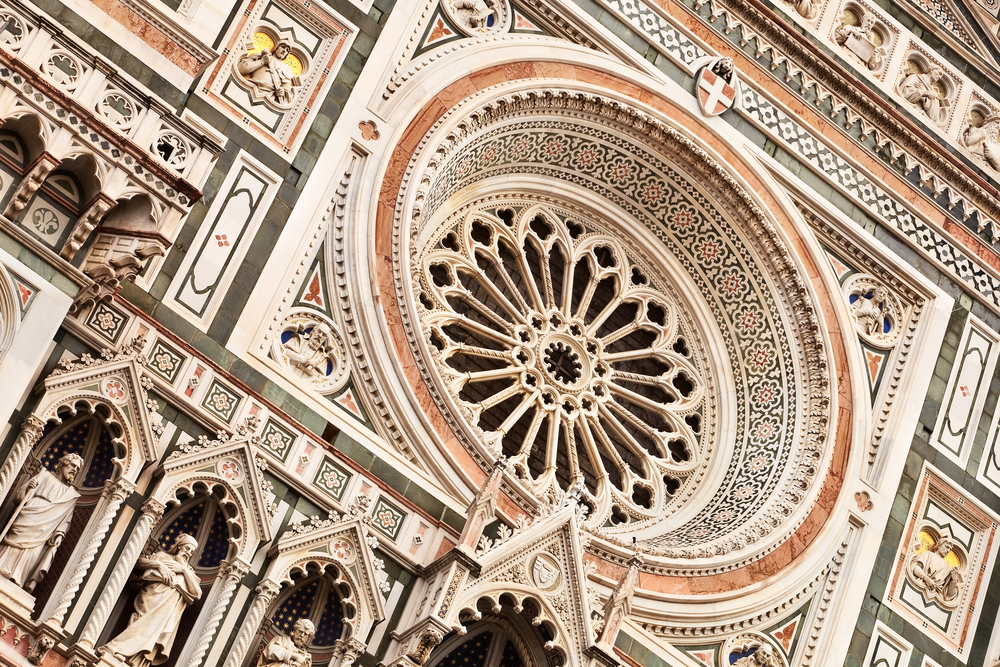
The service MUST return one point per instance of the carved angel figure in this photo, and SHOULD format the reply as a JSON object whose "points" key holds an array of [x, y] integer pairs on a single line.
{"points": [[169, 585], [291, 651], [932, 572], [310, 351], [760, 658], [269, 74], [982, 141], [919, 88], [39, 523], [476, 12], [868, 312]]}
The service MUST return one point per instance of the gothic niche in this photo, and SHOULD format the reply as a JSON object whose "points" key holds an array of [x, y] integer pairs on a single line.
{"points": [[272, 69], [305, 624], [935, 567], [861, 34], [928, 88], [312, 350], [49, 506], [877, 313], [979, 136], [565, 352]]}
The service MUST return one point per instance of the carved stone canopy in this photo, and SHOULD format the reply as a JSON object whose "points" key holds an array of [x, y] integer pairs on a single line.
{"points": [[231, 465], [346, 545]]}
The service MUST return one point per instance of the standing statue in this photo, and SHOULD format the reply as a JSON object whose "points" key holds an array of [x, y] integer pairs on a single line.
{"points": [[169, 585], [39, 523], [933, 573], [919, 89], [269, 74], [291, 651], [760, 658], [982, 141]]}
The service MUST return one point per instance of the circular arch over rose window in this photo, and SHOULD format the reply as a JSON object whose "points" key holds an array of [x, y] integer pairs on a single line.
{"points": [[594, 297]]}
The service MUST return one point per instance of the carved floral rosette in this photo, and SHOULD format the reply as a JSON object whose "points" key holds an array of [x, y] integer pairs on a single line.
{"points": [[312, 349]]}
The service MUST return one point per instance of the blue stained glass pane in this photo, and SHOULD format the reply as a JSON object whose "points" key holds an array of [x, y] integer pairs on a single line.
{"points": [[187, 522], [100, 468], [470, 654], [71, 441], [217, 543], [331, 622], [296, 606]]}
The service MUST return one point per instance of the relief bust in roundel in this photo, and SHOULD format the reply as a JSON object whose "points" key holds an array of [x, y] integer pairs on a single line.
{"points": [[657, 347]]}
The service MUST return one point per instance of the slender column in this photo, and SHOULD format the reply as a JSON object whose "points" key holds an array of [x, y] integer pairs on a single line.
{"points": [[266, 592], [115, 494], [31, 431], [231, 574], [152, 512]]}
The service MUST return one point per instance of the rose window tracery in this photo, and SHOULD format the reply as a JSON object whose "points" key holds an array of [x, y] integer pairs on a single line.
{"points": [[567, 354]]}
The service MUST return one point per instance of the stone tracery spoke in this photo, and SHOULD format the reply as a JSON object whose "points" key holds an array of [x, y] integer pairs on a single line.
{"points": [[565, 355]]}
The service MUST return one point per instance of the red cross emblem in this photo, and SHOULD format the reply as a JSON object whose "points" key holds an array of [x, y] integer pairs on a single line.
{"points": [[714, 94]]}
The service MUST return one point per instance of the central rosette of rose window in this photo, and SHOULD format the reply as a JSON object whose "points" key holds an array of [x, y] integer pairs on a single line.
{"points": [[566, 353]]}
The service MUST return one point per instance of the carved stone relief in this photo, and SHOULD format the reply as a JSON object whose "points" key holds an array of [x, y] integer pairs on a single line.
{"points": [[271, 70], [877, 312], [750, 649], [862, 35], [312, 350], [479, 17], [935, 566], [927, 87], [979, 136]]}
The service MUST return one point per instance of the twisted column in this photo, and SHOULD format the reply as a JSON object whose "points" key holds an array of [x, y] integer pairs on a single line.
{"points": [[152, 512], [31, 431], [266, 592], [230, 574], [114, 494]]}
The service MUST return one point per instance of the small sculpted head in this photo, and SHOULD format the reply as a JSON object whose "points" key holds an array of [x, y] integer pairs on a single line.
{"points": [[302, 632], [69, 466], [184, 547]]}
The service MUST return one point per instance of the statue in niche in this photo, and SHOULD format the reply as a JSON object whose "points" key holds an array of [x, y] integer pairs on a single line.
{"points": [[858, 40], [291, 651], [762, 657], [270, 76], [169, 585], [922, 89], [868, 312], [40, 522], [981, 140], [311, 350], [934, 575]]}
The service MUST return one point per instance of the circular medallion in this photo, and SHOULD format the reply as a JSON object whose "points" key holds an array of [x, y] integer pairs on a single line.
{"points": [[343, 550], [545, 572], [115, 388]]}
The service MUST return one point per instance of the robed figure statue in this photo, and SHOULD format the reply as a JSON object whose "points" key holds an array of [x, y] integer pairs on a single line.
{"points": [[169, 585], [40, 521], [291, 651]]}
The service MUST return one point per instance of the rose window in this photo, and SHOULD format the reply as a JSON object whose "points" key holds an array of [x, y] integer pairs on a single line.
{"points": [[566, 354]]}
